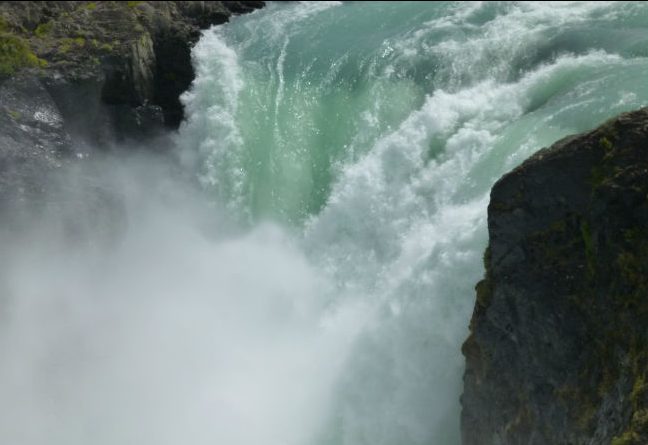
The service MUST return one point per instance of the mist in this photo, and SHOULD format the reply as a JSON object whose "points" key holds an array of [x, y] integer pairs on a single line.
{"points": [[299, 266], [135, 311]]}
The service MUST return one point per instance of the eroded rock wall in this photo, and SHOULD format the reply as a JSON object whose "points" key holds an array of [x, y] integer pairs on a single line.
{"points": [[558, 349], [78, 77], [129, 60]]}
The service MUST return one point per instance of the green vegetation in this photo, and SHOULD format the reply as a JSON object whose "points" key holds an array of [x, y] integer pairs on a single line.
{"points": [[606, 144], [638, 429], [106, 47], [15, 115], [133, 4], [15, 53], [68, 43], [4, 26], [627, 438], [43, 30], [91, 6], [612, 299]]}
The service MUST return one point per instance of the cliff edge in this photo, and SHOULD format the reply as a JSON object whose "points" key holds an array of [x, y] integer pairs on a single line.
{"points": [[110, 66], [558, 349], [76, 77]]}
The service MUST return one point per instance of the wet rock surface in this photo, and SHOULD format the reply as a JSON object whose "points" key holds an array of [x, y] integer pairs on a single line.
{"points": [[125, 55], [33, 140], [558, 350], [78, 77]]}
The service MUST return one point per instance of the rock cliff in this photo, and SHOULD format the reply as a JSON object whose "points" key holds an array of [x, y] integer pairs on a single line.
{"points": [[558, 349], [129, 59], [77, 76]]}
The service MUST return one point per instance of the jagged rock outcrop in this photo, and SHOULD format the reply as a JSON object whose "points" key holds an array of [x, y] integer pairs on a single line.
{"points": [[129, 61], [32, 139], [558, 349], [77, 76]]}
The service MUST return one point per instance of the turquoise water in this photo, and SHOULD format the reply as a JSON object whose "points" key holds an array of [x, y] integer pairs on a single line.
{"points": [[372, 133], [317, 286]]}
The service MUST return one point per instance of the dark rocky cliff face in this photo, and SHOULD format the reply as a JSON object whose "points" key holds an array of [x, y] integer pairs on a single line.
{"points": [[79, 76], [558, 350], [130, 59]]}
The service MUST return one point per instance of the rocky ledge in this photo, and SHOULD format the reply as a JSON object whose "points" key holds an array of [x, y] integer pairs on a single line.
{"points": [[558, 350], [111, 67], [79, 76]]}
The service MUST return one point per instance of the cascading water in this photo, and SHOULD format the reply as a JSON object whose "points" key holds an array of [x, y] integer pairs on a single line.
{"points": [[322, 295], [375, 131]]}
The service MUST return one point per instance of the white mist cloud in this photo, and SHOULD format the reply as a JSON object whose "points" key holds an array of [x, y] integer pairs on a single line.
{"points": [[175, 329]]}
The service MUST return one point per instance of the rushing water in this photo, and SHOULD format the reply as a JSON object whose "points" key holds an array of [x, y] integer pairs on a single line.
{"points": [[321, 295], [374, 131]]}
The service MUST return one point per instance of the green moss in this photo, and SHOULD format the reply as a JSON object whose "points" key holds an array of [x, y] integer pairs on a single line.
{"points": [[43, 30], [628, 291], [611, 296], [15, 53], [638, 389], [91, 6], [106, 47], [557, 243], [638, 429], [4, 26], [581, 405], [15, 115], [133, 4], [627, 438], [640, 419], [605, 143], [631, 267], [66, 44]]}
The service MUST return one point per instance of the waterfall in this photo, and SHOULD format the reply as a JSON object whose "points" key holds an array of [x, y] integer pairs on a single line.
{"points": [[318, 287]]}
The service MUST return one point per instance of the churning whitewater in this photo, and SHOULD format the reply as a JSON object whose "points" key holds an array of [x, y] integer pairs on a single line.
{"points": [[318, 289]]}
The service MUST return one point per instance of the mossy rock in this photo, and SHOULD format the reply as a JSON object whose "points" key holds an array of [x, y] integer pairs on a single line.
{"points": [[43, 30], [15, 54], [15, 115], [4, 26]]}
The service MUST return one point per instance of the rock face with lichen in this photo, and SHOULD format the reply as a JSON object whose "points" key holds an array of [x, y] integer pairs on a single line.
{"points": [[129, 61], [558, 349], [76, 77]]}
